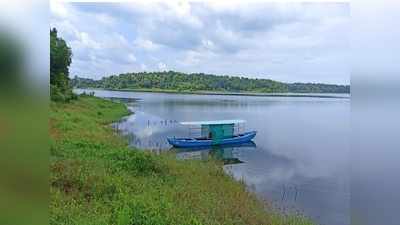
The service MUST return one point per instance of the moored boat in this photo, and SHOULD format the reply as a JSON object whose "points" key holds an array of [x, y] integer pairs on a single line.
{"points": [[220, 132]]}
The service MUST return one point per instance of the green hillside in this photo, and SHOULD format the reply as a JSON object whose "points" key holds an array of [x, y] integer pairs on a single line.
{"points": [[177, 81]]}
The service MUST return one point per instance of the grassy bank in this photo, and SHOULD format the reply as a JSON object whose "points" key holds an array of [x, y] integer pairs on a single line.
{"points": [[96, 179]]}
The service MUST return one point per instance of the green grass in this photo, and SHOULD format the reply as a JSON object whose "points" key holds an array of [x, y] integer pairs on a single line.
{"points": [[96, 179]]}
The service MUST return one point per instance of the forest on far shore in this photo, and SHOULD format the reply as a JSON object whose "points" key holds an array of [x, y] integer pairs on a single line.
{"points": [[177, 81]]}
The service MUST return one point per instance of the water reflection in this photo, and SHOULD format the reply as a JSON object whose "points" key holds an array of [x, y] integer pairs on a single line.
{"points": [[228, 154], [123, 100], [300, 161], [147, 131], [284, 182]]}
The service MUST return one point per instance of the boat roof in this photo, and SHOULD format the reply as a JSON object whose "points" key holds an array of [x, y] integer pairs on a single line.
{"points": [[213, 122]]}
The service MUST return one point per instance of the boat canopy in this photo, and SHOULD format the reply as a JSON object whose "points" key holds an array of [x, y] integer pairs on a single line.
{"points": [[213, 122]]}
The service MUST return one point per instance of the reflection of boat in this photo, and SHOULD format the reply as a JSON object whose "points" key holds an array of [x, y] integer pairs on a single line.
{"points": [[249, 144], [123, 99], [214, 133], [226, 153]]}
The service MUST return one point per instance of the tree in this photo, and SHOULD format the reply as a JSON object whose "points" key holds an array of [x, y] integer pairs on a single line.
{"points": [[60, 60]]}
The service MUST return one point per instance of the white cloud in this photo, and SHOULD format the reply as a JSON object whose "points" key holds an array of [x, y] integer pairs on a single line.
{"points": [[197, 58], [208, 44], [162, 66], [106, 19], [183, 10], [143, 67], [305, 42], [87, 41], [146, 44], [192, 58], [59, 9], [116, 41], [132, 57]]}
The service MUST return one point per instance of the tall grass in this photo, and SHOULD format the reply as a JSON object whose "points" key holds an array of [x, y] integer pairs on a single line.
{"points": [[96, 179]]}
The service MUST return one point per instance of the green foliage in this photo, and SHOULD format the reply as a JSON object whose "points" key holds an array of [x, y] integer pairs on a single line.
{"points": [[203, 82], [95, 178], [60, 60], [318, 88], [127, 160]]}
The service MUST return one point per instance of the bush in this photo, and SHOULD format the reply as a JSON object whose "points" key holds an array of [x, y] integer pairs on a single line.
{"points": [[58, 95], [141, 163]]}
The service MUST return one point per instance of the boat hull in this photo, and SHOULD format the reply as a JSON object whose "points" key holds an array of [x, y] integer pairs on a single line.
{"points": [[192, 142]]}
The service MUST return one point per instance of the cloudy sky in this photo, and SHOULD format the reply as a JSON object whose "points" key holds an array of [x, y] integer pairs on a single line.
{"points": [[292, 42]]}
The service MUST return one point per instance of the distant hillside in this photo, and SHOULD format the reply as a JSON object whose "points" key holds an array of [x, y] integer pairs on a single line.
{"points": [[203, 82]]}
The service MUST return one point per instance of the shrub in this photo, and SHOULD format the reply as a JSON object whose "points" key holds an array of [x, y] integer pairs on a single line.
{"points": [[141, 163]]}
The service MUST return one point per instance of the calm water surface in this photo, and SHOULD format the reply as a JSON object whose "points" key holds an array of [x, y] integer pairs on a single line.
{"points": [[298, 160]]}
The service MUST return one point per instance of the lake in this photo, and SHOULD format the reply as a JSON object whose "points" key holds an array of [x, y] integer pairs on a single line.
{"points": [[299, 160]]}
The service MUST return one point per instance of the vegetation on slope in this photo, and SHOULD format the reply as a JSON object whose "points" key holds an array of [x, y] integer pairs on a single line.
{"points": [[96, 179], [177, 81]]}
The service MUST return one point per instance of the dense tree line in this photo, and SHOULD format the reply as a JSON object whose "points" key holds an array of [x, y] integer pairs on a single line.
{"points": [[318, 88], [172, 80], [60, 60]]}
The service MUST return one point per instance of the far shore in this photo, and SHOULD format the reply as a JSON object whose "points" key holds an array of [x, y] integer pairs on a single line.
{"points": [[257, 94]]}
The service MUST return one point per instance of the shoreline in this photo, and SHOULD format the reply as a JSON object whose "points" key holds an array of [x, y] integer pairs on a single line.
{"points": [[253, 94], [96, 176]]}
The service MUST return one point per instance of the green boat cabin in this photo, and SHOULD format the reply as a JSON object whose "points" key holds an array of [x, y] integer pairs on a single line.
{"points": [[216, 130]]}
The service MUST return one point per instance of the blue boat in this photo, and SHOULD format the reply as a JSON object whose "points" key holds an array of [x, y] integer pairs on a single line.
{"points": [[249, 144], [221, 132]]}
